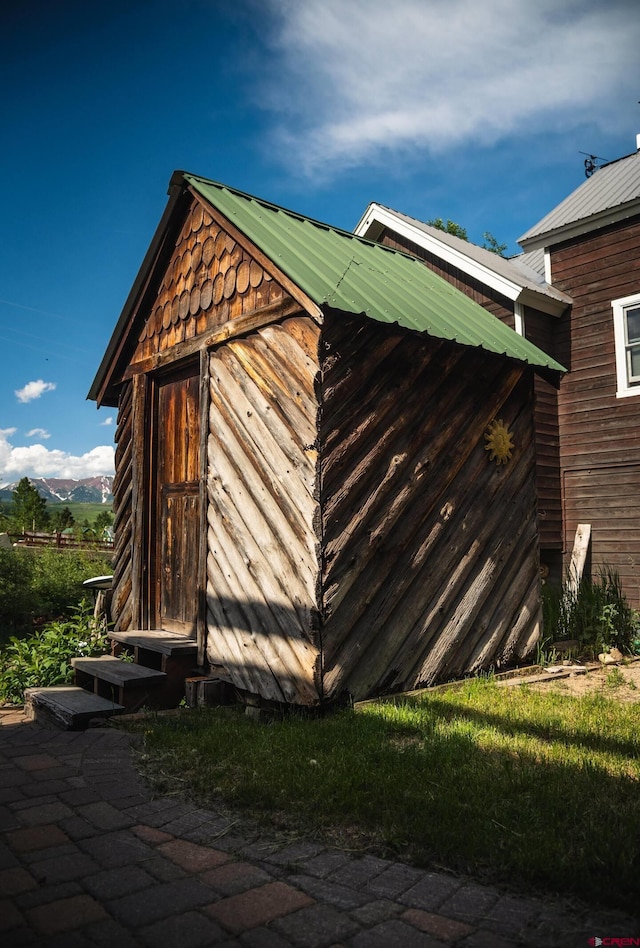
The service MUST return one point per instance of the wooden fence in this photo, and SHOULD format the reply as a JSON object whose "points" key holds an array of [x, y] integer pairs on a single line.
{"points": [[60, 541]]}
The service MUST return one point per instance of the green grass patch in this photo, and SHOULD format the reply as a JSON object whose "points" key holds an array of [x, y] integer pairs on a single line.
{"points": [[535, 789], [81, 510]]}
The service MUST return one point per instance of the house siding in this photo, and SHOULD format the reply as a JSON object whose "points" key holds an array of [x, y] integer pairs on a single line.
{"points": [[599, 433]]}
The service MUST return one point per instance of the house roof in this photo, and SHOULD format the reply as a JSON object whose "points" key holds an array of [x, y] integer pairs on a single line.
{"points": [[337, 270], [611, 194], [512, 278], [340, 270]]}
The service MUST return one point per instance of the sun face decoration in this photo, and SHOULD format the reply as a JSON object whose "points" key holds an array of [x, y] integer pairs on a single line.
{"points": [[499, 442]]}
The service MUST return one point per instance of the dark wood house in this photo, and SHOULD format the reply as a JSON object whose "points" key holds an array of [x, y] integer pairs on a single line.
{"points": [[325, 457], [574, 292]]}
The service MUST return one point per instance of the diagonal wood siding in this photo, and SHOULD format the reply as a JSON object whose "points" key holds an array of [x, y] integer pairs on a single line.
{"points": [[121, 605], [262, 564], [430, 563]]}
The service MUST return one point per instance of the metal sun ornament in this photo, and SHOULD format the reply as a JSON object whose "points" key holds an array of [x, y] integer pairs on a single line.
{"points": [[499, 442]]}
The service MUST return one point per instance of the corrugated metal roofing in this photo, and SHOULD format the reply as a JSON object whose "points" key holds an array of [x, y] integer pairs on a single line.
{"points": [[611, 186], [337, 269]]}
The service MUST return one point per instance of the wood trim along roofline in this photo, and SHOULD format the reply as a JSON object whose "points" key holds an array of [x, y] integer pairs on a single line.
{"points": [[309, 305], [273, 312], [376, 214]]}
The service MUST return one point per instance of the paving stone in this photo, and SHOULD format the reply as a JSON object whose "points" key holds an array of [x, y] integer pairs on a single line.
{"points": [[8, 819], [10, 915], [191, 856], [317, 926], [15, 880], [48, 893], [189, 930], [66, 914], [324, 890], [164, 870], [160, 901], [77, 796], [63, 868], [375, 912], [104, 816], [323, 864], [262, 938], [360, 872], [432, 890], [394, 881], [471, 903], [33, 838], [52, 852], [7, 858], [113, 883], [235, 877], [12, 794], [44, 813], [486, 939], [116, 849], [257, 907], [31, 762], [78, 828], [446, 929], [150, 834], [510, 915], [290, 855], [394, 934], [109, 933]]}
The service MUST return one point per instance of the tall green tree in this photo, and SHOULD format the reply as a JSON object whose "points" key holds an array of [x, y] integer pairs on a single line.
{"points": [[61, 518], [29, 508]]}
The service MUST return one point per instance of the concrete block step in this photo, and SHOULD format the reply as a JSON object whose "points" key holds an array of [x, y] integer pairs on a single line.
{"points": [[67, 706], [116, 672], [156, 640]]}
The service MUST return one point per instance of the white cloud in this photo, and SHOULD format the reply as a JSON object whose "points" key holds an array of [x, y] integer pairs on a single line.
{"points": [[38, 433], [37, 461], [34, 390], [106, 423], [359, 79]]}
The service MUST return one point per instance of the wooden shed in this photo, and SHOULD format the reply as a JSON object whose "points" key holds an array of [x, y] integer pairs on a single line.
{"points": [[325, 457]]}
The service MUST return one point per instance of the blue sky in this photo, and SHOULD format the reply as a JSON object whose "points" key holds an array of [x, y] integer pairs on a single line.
{"points": [[472, 111]]}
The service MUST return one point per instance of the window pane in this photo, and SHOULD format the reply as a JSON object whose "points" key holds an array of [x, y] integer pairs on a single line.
{"points": [[633, 325], [634, 363]]}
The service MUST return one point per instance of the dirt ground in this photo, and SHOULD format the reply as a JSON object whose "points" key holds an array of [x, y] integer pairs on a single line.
{"points": [[621, 682]]}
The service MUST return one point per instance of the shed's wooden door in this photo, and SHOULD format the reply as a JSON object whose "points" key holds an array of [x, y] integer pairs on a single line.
{"points": [[177, 503]]}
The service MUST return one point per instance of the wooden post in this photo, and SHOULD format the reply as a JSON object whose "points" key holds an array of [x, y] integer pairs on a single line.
{"points": [[578, 558]]}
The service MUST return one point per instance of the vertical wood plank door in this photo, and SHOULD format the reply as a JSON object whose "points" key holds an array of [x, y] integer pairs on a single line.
{"points": [[177, 492]]}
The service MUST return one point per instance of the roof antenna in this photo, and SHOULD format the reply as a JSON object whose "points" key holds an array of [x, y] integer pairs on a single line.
{"points": [[590, 165]]}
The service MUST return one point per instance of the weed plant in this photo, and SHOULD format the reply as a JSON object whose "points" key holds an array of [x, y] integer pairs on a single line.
{"points": [[44, 658], [598, 617], [507, 784]]}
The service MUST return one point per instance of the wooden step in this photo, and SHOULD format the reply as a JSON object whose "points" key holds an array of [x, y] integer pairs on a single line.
{"points": [[157, 640], [118, 673], [133, 686], [67, 706]]}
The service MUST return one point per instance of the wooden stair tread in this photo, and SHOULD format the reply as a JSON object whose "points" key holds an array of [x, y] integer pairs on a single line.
{"points": [[156, 640], [68, 706], [116, 672]]}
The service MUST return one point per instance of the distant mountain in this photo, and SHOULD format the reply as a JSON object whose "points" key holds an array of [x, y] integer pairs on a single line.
{"points": [[57, 490]]}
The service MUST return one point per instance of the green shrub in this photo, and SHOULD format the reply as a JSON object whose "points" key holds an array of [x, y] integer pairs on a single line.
{"points": [[598, 616], [44, 658], [45, 584]]}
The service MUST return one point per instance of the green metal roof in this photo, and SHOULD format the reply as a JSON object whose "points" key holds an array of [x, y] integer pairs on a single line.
{"points": [[337, 269]]}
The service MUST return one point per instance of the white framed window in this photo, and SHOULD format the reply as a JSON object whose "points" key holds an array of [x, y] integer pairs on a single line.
{"points": [[626, 327]]}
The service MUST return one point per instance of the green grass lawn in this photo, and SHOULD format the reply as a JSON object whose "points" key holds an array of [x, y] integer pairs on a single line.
{"points": [[534, 789]]}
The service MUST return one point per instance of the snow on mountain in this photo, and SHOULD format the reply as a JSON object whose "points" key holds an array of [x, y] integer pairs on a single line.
{"points": [[96, 490]]}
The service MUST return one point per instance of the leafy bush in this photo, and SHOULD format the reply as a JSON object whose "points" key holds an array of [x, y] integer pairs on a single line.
{"points": [[39, 585], [44, 658], [598, 616]]}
